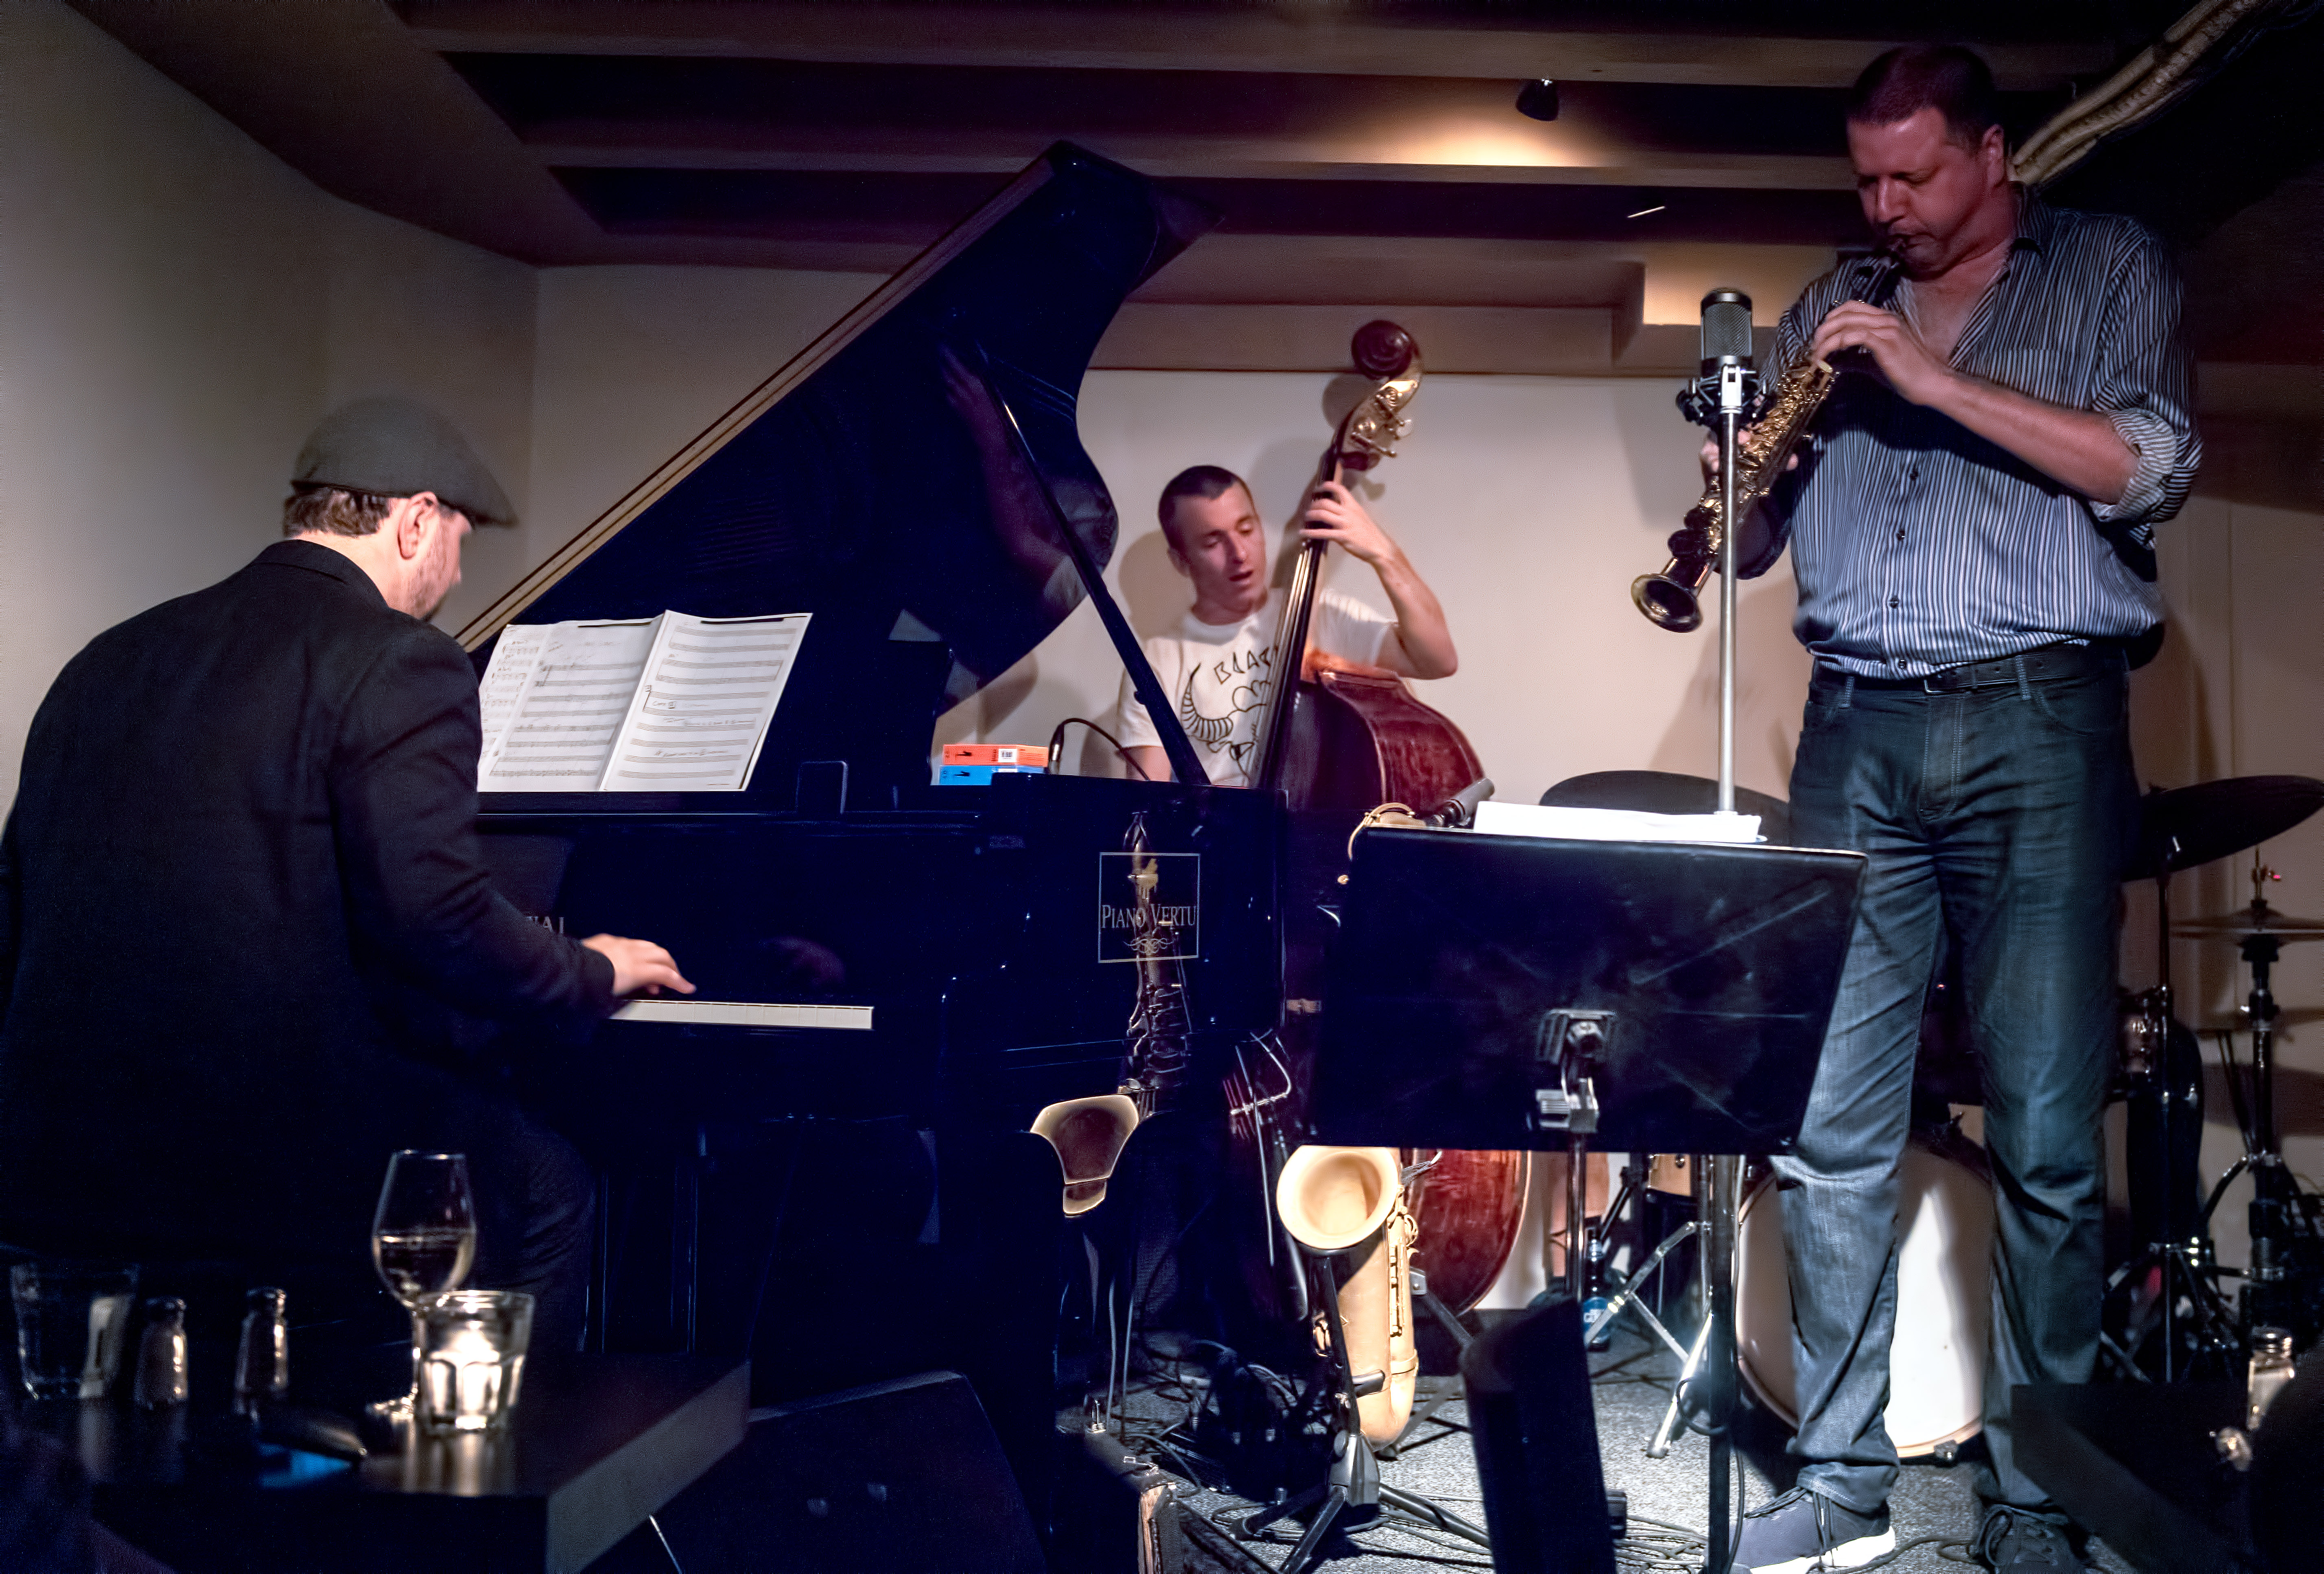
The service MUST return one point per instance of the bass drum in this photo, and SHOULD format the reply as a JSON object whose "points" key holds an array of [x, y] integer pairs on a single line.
{"points": [[1936, 1370]]}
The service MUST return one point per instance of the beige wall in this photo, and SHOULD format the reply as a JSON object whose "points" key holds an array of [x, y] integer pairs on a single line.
{"points": [[177, 309], [162, 292]]}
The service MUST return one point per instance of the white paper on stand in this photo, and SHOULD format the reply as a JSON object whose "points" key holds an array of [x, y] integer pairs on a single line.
{"points": [[704, 705], [1568, 824], [668, 703], [561, 728], [497, 697]]}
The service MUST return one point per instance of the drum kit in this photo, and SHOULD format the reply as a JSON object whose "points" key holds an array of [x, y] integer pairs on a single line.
{"points": [[2167, 1314], [2167, 1317]]}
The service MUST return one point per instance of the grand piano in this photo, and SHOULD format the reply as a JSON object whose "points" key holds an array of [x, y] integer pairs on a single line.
{"points": [[822, 1158]]}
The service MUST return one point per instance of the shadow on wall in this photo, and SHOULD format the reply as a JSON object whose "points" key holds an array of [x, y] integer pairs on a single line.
{"points": [[1154, 594], [1771, 679], [1664, 490]]}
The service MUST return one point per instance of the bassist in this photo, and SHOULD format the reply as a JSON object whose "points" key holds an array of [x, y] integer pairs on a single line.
{"points": [[1218, 663]]}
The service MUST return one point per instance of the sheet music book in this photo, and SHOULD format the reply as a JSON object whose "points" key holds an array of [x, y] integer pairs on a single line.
{"points": [[669, 703]]}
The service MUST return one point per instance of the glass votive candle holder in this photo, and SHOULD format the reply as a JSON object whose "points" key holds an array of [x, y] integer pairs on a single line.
{"points": [[472, 1345], [72, 1319]]}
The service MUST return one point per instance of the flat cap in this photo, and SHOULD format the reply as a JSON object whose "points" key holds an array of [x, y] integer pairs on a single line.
{"points": [[397, 447]]}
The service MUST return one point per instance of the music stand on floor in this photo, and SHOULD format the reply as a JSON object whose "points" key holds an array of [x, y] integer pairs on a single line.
{"points": [[1512, 992]]}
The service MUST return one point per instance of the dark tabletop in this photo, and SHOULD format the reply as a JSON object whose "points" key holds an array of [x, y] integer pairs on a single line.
{"points": [[597, 1444]]}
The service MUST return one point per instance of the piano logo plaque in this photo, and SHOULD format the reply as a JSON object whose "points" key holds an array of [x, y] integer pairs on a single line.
{"points": [[1149, 906]]}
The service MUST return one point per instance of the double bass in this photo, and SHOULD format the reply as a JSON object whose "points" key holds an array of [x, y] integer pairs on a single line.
{"points": [[1345, 739]]}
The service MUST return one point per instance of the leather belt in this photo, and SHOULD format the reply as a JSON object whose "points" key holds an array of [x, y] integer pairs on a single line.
{"points": [[2043, 664]]}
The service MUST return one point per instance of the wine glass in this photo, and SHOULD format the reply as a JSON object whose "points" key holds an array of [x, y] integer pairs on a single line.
{"points": [[423, 1237]]}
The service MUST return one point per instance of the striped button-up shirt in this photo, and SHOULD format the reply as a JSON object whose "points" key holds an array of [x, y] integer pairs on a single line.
{"points": [[1918, 545]]}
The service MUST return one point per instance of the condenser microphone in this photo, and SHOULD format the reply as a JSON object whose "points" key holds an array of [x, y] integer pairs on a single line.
{"points": [[1725, 378], [1726, 330]]}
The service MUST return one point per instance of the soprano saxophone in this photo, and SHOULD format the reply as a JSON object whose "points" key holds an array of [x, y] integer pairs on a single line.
{"points": [[1669, 598]]}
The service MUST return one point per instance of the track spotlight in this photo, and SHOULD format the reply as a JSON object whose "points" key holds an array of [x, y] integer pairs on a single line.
{"points": [[1538, 99]]}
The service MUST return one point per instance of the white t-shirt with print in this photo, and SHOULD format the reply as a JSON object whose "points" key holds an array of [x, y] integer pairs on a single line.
{"points": [[1219, 676]]}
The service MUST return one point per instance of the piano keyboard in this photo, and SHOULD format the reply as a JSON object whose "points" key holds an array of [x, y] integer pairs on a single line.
{"points": [[747, 1014]]}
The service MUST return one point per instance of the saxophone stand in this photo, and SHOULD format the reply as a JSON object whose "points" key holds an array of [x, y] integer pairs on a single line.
{"points": [[1354, 1482]]}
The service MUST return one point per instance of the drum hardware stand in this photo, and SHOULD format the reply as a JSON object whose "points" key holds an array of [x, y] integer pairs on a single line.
{"points": [[2271, 1293], [2184, 1262], [1630, 1289], [1355, 1481]]}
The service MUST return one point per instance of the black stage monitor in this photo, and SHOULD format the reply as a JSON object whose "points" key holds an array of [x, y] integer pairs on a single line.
{"points": [[1491, 991]]}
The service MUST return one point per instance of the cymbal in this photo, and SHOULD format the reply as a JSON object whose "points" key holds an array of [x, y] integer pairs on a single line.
{"points": [[2192, 825], [2242, 921], [2285, 1016]]}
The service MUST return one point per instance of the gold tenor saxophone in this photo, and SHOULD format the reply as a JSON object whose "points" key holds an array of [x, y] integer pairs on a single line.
{"points": [[1669, 599], [1349, 1201], [1088, 1134]]}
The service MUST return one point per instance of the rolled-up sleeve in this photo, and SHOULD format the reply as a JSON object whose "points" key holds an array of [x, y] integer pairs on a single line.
{"points": [[2148, 388]]}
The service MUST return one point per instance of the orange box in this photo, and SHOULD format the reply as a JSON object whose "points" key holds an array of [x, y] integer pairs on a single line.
{"points": [[995, 754]]}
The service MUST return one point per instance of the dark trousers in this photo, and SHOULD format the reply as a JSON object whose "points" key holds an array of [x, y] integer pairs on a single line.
{"points": [[535, 1223], [2001, 816]]}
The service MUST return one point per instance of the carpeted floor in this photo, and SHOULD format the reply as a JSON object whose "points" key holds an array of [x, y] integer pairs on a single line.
{"points": [[1934, 1508]]}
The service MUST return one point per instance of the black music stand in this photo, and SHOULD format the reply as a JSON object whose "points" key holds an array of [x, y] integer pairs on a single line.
{"points": [[1507, 992]]}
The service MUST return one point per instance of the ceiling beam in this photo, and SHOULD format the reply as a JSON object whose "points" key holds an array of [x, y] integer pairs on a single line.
{"points": [[1165, 156], [1209, 39]]}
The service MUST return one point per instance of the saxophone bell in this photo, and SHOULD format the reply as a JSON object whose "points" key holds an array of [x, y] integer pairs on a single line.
{"points": [[1089, 1135], [1350, 1201], [1671, 598]]}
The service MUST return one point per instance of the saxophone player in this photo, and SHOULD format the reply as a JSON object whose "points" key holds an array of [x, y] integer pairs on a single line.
{"points": [[1972, 543]]}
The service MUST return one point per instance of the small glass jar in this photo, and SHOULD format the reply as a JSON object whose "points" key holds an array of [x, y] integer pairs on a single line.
{"points": [[162, 1356], [262, 1362]]}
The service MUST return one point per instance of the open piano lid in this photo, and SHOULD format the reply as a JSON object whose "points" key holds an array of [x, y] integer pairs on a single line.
{"points": [[871, 484]]}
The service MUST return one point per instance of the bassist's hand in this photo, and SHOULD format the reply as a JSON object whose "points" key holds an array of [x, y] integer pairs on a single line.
{"points": [[1333, 514]]}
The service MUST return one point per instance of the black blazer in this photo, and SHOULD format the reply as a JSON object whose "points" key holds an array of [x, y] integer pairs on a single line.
{"points": [[246, 817]]}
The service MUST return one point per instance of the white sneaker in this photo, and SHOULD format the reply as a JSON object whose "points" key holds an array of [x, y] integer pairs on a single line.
{"points": [[1806, 1533]]}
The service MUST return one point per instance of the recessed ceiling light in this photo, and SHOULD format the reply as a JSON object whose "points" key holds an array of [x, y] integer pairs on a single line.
{"points": [[1538, 99], [1641, 213]]}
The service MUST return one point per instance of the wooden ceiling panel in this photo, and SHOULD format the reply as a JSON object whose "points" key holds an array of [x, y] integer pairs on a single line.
{"points": [[781, 115], [799, 204], [1703, 42]]}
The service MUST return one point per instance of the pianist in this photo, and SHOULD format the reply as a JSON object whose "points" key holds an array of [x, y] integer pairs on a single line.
{"points": [[1217, 664], [245, 826]]}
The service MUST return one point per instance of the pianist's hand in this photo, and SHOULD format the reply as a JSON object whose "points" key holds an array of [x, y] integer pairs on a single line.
{"points": [[639, 966]]}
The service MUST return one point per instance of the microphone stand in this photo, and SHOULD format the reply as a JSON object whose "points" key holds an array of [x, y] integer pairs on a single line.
{"points": [[1726, 1170], [1718, 399]]}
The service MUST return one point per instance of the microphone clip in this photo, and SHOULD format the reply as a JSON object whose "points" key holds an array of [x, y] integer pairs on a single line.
{"points": [[1724, 384]]}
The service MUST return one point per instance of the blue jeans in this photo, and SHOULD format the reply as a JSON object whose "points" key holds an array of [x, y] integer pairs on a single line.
{"points": [[2001, 817]]}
